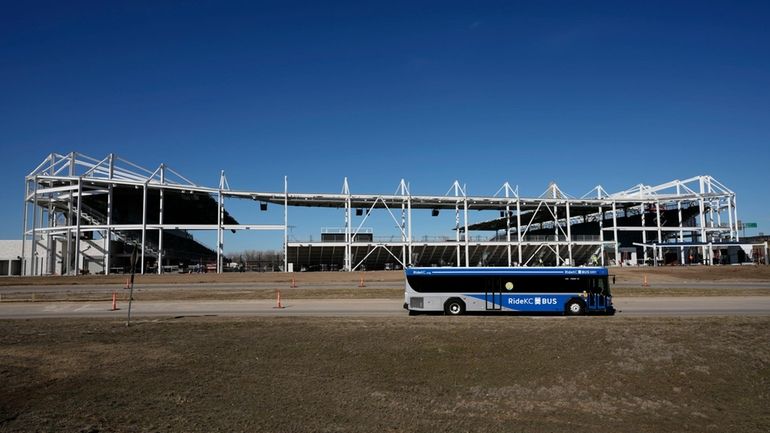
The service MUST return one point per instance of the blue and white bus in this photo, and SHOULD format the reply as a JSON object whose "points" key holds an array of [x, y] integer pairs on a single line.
{"points": [[571, 291]]}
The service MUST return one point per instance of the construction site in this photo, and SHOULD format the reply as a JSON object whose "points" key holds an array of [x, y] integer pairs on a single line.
{"points": [[85, 215]]}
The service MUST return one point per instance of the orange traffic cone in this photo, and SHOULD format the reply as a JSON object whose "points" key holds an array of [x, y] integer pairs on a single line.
{"points": [[114, 301], [278, 299], [293, 283], [361, 284], [644, 283], [128, 284]]}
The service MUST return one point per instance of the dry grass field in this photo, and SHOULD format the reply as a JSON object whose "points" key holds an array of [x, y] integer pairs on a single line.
{"points": [[688, 281], [408, 374], [658, 275], [434, 373]]}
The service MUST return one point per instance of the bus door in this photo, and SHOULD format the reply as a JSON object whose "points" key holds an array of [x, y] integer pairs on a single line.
{"points": [[494, 295], [596, 298]]}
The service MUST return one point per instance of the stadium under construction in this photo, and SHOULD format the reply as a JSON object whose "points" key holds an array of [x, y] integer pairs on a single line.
{"points": [[87, 215]]}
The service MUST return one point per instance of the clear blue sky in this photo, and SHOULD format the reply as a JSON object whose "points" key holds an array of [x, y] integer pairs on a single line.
{"points": [[581, 93]]}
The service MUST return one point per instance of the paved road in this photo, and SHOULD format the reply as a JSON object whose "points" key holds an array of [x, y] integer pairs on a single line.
{"points": [[693, 305], [642, 306], [727, 285]]}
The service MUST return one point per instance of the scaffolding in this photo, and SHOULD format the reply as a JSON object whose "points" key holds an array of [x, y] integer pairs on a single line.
{"points": [[696, 214]]}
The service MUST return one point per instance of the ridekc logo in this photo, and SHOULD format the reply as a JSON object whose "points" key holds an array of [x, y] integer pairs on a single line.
{"points": [[545, 301], [537, 300]]}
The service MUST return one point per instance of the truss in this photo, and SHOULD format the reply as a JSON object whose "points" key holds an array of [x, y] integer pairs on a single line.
{"points": [[533, 229]]}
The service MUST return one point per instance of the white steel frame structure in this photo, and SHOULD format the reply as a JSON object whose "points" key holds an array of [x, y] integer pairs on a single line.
{"points": [[54, 191], [716, 223], [53, 208]]}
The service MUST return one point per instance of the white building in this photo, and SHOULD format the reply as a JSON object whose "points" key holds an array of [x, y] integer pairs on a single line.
{"points": [[10, 257]]}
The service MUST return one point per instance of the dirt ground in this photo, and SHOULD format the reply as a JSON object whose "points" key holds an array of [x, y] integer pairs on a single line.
{"points": [[670, 274], [345, 285], [410, 374], [208, 278], [104, 294]]}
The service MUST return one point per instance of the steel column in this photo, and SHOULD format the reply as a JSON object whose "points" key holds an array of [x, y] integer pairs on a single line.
{"points": [[144, 225], [403, 232], [660, 233], [409, 224], [108, 234], [711, 209], [508, 232], [618, 261], [69, 235], [601, 233], [569, 236], [681, 225], [50, 256], [518, 229], [348, 228], [465, 218], [508, 223], [108, 237], [702, 217], [286, 223], [78, 256], [457, 231], [644, 233], [735, 212], [556, 230], [70, 251], [24, 230], [730, 216], [160, 219], [219, 231], [34, 228]]}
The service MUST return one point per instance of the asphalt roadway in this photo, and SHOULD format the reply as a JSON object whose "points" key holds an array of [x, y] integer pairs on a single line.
{"points": [[632, 306]]}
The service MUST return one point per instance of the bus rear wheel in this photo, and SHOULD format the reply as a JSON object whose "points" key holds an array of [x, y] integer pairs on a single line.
{"points": [[575, 308], [454, 307]]}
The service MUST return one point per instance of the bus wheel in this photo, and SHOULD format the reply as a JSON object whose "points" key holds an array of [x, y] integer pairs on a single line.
{"points": [[575, 308], [454, 307]]}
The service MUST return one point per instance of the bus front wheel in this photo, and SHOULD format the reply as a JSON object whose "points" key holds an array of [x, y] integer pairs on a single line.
{"points": [[454, 307], [575, 308]]}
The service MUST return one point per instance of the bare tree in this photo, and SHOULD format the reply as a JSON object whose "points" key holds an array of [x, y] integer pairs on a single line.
{"points": [[258, 261]]}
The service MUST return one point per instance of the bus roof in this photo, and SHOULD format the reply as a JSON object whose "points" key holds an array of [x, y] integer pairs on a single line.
{"points": [[492, 271]]}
